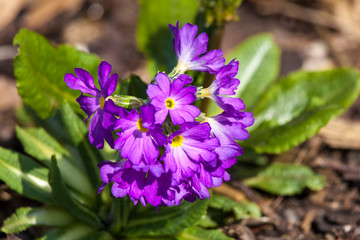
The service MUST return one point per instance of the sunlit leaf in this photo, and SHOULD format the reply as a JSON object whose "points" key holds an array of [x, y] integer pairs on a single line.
{"points": [[24, 175], [296, 108], [40, 69], [259, 61], [286, 179], [26, 217]]}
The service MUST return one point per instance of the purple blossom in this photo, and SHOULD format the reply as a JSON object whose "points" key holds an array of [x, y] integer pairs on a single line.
{"points": [[140, 137], [97, 105], [225, 84], [186, 148], [189, 48], [145, 185], [227, 129], [173, 98]]}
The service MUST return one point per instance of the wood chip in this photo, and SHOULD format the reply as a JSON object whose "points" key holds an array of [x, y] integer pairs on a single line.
{"points": [[9, 10], [43, 11], [341, 133], [307, 222]]}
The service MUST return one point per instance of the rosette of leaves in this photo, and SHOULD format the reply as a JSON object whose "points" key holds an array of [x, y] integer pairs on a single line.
{"points": [[60, 170]]}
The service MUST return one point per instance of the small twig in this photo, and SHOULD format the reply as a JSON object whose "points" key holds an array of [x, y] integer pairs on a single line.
{"points": [[338, 167], [230, 192], [253, 196], [308, 219]]}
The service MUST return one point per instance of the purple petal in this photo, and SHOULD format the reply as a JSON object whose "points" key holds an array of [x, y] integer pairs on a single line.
{"points": [[84, 83], [112, 108], [88, 104], [96, 133], [107, 85], [163, 82]]}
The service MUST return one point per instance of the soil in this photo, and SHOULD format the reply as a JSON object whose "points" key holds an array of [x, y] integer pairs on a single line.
{"points": [[107, 28]]}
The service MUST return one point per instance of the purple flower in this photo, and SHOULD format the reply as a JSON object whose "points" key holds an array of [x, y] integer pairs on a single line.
{"points": [[147, 185], [102, 109], [227, 129], [186, 148], [225, 84], [173, 98], [140, 137], [188, 49]]}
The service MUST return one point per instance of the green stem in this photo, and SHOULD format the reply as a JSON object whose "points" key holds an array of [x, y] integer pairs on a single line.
{"points": [[214, 43]]}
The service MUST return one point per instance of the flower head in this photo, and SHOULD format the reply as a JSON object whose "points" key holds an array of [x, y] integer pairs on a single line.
{"points": [[173, 98], [186, 148], [224, 85], [227, 129], [189, 48], [140, 137], [97, 105]]}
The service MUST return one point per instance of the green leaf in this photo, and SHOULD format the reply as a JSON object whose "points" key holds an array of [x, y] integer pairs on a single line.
{"points": [[153, 34], [259, 58], [40, 69], [286, 179], [296, 108], [26, 217], [167, 221], [42, 146], [196, 233], [133, 86], [240, 209], [78, 133], [77, 231], [24, 175], [62, 198]]}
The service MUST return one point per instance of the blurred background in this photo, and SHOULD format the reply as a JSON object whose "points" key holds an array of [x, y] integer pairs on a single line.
{"points": [[312, 35]]}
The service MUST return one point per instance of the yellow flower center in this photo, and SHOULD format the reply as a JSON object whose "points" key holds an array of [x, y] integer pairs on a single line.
{"points": [[102, 102], [140, 126], [170, 103], [177, 141]]}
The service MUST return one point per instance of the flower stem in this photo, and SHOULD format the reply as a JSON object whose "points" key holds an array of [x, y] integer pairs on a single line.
{"points": [[216, 34]]}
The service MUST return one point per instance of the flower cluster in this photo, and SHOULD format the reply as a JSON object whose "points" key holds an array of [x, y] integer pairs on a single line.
{"points": [[169, 150]]}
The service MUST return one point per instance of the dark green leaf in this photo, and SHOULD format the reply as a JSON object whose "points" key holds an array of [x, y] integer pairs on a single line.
{"points": [[295, 109], [240, 209], [78, 231], [133, 86], [24, 175], [286, 179], [259, 59], [26, 217], [167, 221], [153, 34], [196, 233], [40, 69], [79, 137], [42, 146], [62, 198]]}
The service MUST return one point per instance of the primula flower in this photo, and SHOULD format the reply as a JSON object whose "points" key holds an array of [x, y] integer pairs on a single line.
{"points": [[187, 147], [145, 185], [188, 49], [227, 129], [140, 137], [224, 85], [97, 105], [173, 98]]}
